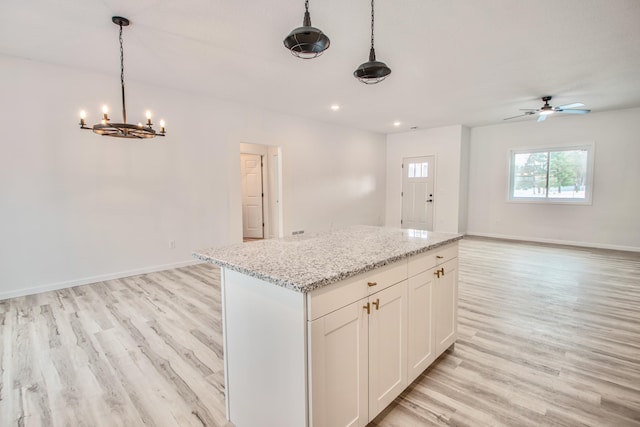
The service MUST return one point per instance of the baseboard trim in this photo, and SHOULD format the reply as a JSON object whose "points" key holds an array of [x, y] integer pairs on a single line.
{"points": [[93, 279], [556, 242]]}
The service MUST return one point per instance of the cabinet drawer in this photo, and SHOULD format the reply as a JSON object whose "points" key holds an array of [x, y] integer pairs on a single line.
{"points": [[330, 298], [423, 262]]}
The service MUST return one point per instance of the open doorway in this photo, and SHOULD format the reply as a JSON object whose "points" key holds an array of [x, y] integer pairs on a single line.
{"points": [[261, 173]]}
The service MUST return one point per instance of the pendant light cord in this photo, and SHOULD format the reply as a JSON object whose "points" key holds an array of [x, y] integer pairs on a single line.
{"points": [[372, 18], [124, 109]]}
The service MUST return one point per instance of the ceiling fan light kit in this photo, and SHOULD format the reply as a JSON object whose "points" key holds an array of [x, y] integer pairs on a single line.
{"points": [[124, 129], [546, 110], [372, 71], [307, 42]]}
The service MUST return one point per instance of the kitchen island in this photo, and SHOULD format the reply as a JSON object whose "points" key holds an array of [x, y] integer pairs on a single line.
{"points": [[327, 329]]}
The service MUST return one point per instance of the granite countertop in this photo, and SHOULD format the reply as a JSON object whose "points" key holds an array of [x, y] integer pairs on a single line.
{"points": [[307, 262]]}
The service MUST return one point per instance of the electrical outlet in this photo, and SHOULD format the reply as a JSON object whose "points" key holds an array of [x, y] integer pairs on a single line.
{"points": [[172, 244], [295, 233]]}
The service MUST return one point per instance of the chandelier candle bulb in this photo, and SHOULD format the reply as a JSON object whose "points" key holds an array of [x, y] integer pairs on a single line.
{"points": [[161, 126], [105, 111], [83, 115]]}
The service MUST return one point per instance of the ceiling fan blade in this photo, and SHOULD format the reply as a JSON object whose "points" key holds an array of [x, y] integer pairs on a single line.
{"points": [[528, 109], [574, 111], [574, 105], [528, 113], [542, 117]]}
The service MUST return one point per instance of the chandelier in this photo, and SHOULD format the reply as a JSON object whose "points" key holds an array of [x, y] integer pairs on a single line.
{"points": [[124, 129], [372, 71]]}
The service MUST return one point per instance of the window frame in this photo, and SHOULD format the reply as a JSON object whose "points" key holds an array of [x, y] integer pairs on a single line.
{"points": [[588, 199]]}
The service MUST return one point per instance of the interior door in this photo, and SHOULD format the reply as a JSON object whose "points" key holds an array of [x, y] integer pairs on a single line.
{"points": [[252, 221], [418, 192]]}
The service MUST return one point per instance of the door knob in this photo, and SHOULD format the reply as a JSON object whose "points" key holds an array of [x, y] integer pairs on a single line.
{"points": [[430, 200]]}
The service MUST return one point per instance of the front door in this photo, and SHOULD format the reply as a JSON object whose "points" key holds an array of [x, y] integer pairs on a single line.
{"points": [[418, 192], [252, 223]]}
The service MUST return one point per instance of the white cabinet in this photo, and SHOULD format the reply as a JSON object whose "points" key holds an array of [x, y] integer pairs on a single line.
{"points": [[387, 347], [339, 367], [446, 305], [421, 343], [432, 307], [358, 362]]}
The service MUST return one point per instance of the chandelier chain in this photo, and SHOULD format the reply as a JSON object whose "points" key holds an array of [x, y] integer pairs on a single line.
{"points": [[124, 108], [306, 5]]}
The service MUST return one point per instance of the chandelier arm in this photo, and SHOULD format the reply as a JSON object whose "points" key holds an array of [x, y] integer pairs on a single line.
{"points": [[124, 108]]}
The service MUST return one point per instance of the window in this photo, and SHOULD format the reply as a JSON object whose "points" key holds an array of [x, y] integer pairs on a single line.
{"points": [[551, 175], [419, 170]]}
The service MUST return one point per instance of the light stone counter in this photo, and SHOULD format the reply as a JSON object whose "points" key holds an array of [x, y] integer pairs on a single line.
{"points": [[307, 262]]}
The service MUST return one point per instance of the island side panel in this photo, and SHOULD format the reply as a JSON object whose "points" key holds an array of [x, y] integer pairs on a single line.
{"points": [[265, 354]]}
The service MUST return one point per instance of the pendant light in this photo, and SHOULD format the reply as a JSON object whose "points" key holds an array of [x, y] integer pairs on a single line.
{"points": [[124, 129], [373, 71], [306, 42]]}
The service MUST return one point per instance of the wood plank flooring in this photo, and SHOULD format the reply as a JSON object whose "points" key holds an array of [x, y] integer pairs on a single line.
{"points": [[548, 336]]}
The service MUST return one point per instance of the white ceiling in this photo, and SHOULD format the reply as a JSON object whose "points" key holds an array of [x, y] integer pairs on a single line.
{"points": [[470, 62]]}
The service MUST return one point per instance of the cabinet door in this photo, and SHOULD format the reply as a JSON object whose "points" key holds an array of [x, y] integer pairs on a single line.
{"points": [[339, 367], [446, 305], [387, 346], [420, 338]]}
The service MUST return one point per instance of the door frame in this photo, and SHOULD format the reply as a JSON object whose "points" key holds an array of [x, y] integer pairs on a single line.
{"points": [[271, 187], [435, 183]]}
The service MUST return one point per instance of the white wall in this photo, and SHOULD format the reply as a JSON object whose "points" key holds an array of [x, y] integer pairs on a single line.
{"points": [[612, 221], [76, 207], [449, 145]]}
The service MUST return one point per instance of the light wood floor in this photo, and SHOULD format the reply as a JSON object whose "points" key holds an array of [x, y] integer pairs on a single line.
{"points": [[548, 336]]}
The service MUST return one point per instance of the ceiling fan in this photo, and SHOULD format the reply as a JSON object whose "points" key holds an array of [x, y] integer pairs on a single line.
{"points": [[547, 109]]}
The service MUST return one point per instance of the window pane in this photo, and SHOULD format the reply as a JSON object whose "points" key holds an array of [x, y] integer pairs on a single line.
{"points": [[412, 170], [568, 174], [425, 170], [530, 175]]}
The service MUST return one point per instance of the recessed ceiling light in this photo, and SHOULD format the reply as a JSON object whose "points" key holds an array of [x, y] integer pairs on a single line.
{"points": [[396, 123], [335, 107]]}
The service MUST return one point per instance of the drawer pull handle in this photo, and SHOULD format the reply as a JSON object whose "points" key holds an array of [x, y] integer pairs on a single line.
{"points": [[370, 284], [439, 256], [367, 307], [439, 272], [377, 303]]}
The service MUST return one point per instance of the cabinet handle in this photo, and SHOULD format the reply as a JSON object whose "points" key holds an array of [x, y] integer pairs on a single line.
{"points": [[439, 256], [442, 271], [370, 284], [377, 303], [437, 273], [368, 308]]}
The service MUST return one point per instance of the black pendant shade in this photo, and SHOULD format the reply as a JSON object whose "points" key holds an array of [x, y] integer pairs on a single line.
{"points": [[372, 71], [307, 42]]}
